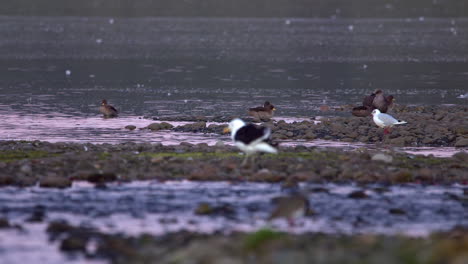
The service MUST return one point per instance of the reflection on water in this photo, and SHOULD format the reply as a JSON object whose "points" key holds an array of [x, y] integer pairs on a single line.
{"points": [[55, 127]]}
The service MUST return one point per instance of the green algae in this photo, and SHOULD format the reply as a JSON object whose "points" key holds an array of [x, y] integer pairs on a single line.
{"points": [[255, 240], [13, 155], [104, 155], [221, 155], [189, 155]]}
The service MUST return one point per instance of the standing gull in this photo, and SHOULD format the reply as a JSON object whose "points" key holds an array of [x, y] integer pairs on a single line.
{"points": [[107, 110], [249, 138], [385, 121]]}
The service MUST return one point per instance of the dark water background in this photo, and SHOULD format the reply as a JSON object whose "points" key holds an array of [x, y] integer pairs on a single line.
{"points": [[211, 66], [239, 8]]}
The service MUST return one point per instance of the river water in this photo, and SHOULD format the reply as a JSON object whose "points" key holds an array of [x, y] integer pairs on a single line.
{"points": [[54, 71]]}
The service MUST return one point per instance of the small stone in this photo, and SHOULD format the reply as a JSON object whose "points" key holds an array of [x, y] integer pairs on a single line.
{"points": [[159, 126], [4, 223], [358, 195], [396, 211], [74, 243], [203, 209], [382, 157], [461, 142], [130, 127], [400, 141], [26, 168], [55, 182]]}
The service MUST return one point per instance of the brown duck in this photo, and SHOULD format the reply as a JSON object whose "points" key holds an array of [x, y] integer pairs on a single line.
{"points": [[291, 207], [382, 102], [264, 112], [376, 100], [107, 110]]}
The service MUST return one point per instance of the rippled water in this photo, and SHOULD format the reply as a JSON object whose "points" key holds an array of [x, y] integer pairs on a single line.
{"points": [[140, 207], [158, 208], [201, 66], [55, 70]]}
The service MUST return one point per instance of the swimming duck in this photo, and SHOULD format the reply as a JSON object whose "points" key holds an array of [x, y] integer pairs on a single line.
{"points": [[107, 110]]}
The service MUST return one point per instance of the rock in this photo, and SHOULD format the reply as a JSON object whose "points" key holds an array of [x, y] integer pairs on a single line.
{"points": [[425, 174], [397, 211], [101, 177], [37, 215], [402, 176], [74, 243], [4, 223], [6, 180], [203, 209], [194, 127], [26, 168], [358, 195], [267, 175], [382, 157], [400, 141], [55, 182], [461, 142], [130, 127], [204, 173], [159, 126], [462, 156]]}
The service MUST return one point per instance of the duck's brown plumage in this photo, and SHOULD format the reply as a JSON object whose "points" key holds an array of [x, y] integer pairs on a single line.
{"points": [[368, 100], [264, 112], [107, 110], [362, 111], [290, 207], [376, 100], [382, 102]]}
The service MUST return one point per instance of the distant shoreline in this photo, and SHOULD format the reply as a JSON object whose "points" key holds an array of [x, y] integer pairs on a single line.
{"points": [[239, 8]]}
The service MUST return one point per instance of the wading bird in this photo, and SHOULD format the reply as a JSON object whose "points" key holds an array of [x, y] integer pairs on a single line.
{"points": [[250, 138], [385, 121], [107, 110]]}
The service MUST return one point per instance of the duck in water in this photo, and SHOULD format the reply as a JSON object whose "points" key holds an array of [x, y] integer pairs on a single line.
{"points": [[108, 110]]}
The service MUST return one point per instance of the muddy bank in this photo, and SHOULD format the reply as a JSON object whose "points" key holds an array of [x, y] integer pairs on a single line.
{"points": [[427, 126], [262, 246], [58, 164]]}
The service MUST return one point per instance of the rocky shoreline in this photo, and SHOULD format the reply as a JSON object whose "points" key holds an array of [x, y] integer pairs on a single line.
{"points": [[57, 165], [436, 126], [262, 246]]}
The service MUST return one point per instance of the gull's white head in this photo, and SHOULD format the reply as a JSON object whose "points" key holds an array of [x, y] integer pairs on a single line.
{"points": [[375, 112], [234, 125]]}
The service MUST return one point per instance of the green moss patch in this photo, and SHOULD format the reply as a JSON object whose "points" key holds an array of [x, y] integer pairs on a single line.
{"points": [[13, 155], [255, 240]]}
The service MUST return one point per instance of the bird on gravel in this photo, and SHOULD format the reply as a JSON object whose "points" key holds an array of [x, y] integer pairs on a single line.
{"points": [[385, 121], [250, 138], [264, 112]]}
